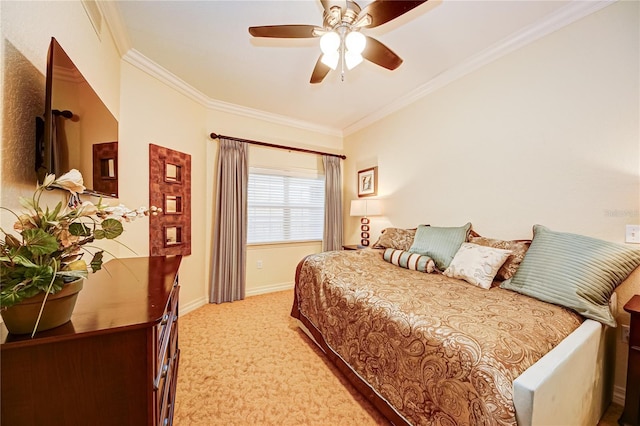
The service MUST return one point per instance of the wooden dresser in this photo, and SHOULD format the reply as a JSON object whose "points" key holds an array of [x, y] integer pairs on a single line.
{"points": [[631, 412], [114, 363]]}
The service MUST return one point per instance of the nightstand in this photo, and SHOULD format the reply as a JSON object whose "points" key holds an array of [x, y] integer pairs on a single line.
{"points": [[352, 247], [631, 411]]}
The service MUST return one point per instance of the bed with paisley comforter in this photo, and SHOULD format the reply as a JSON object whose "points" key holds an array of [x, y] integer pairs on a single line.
{"points": [[427, 349]]}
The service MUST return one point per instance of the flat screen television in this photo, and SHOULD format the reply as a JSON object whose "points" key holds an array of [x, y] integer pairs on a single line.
{"points": [[78, 130]]}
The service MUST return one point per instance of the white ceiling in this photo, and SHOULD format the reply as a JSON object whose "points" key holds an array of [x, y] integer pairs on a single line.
{"points": [[206, 45]]}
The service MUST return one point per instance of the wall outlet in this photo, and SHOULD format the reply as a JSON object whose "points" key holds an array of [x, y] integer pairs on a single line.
{"points": [[259, 264], [625, 333], [632, 234]]}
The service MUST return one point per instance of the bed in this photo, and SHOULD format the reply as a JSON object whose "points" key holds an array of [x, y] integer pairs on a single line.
{"points": [[428, 349]]}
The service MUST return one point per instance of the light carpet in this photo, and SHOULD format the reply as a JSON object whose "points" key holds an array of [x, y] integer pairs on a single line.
{"points": [[247, 363]]}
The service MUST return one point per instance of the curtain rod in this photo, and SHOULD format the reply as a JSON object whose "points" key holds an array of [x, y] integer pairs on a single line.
{"points": [[272, 145]]}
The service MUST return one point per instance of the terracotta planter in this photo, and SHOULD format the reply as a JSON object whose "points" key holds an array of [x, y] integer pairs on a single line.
{"points": [[21, 318]]}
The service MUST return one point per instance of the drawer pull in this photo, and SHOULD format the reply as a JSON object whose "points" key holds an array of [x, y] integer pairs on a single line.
{"points": [[635, 348], [166, 421], [165, 368], [165, 319]]}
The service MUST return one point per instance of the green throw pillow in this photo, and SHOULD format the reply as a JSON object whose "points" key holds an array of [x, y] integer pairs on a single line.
{"points": [[574, 271], [439, 243]]}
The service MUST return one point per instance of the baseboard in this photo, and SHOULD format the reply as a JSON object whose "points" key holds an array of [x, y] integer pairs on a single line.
{"points": [[192, 306], [269, 289], [618, 395]]}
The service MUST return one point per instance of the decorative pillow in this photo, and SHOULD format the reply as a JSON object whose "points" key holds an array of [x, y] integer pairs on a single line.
{"points": [[439, 243], [518, 250], [574, 271], [396, 238], [477, 264], [409, 260]]}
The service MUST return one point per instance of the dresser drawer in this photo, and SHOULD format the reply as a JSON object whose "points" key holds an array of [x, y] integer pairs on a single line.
{"points": [[167, 361], [168, 401], [164, 333], [166, 367]]}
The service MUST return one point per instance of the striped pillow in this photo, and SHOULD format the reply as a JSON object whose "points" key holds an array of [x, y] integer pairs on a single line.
{"points": [[439, 243], [574, 271], [408, 260]]}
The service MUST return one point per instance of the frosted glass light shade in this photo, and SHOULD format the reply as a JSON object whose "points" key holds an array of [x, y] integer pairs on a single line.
{"points": [[355, 42], [329, 42], [331, 59], [352, 59]]}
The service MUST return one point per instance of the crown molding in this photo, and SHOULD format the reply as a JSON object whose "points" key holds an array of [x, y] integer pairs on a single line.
{"points": [[570, 13], [272, 118], [115, 24], [141, 62], [146, 65]]}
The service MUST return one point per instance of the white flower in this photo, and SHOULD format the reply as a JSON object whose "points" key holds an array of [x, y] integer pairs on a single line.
{"points": [[71, 181], [87, 208], [48, 180]]}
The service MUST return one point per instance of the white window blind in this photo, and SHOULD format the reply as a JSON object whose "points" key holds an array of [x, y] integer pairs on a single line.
{"points": [[284, 206]]}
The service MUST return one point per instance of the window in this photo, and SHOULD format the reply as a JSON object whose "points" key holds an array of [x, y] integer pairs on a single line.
{"points": [[284, 206]]}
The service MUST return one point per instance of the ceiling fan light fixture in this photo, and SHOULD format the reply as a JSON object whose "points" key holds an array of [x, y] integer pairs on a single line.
{"points": [[331, 59], [329, 43], [355, 42], [352, 59]]}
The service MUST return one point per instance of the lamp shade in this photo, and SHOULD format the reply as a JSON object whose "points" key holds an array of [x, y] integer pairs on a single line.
{"points": [[365, 208]]}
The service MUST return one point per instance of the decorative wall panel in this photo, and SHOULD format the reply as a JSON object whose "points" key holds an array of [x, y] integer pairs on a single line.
{"points": [[170, 201]]}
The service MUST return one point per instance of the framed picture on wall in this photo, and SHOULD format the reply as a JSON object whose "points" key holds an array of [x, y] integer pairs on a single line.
{"points": [[368, 182]]}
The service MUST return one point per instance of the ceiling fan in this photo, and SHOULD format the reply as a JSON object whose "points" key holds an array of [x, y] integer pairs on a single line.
{"points": [[341, 41]]}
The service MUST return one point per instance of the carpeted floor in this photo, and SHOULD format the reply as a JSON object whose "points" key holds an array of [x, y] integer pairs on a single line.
{"points": [[246, 363]]}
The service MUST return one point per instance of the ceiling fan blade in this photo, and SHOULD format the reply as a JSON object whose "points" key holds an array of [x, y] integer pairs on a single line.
{"points": [[319, 72], [383, 11], [284, 31], [380, 54]]}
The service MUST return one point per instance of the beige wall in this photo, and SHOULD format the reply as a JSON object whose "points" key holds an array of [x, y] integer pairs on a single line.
{"points": [[548, 134]]}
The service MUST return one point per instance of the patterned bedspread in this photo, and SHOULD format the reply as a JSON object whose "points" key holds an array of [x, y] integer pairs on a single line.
{"points": [[439, 350]]}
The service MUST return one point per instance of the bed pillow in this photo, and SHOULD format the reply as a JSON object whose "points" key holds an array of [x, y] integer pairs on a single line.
{"points": [[409, 260], [518, 250], [396, 238], [477, 264], [574, 271], [439, 243]]}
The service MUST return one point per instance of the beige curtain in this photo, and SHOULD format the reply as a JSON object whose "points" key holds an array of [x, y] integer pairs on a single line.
{"points": [[230, 223], [332, 239]]}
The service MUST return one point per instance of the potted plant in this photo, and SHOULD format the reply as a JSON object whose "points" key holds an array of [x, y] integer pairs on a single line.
{"points": [[44, 261]]}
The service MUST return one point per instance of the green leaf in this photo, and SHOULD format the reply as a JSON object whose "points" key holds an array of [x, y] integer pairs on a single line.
{"points": [[54, 213], [79, 230], [39, 241], [26, 203], [22, 260], [96, 262], [111, 229], [13, 296], [69, 276]]}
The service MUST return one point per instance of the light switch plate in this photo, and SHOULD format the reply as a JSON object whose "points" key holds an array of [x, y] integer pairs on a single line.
{"points": [[632, 234], [625, 333]]}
